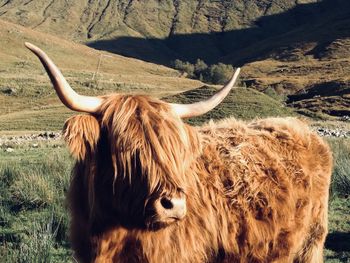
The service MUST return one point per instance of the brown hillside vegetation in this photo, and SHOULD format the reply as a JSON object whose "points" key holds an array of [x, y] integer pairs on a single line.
{"points": [[160, 31], [107, 19], [290, 47], [27, 99]]}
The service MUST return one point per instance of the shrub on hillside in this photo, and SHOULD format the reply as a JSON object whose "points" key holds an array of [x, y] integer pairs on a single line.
{"points": [[200, 68], [215, 74], [220, 73], [185, 67], [271, 92]]}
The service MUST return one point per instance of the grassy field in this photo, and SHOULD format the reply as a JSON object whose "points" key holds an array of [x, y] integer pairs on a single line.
{"points": [[33, 216], [34, 220], [337, 244]]}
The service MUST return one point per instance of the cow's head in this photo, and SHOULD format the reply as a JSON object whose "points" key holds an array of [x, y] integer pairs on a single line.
{"points": [[134, 152]]}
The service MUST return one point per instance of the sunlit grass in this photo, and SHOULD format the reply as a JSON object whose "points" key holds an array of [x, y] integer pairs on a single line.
{"points": [[34, 218]]}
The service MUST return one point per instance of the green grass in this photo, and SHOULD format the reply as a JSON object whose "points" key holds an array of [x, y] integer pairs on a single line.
{"points": [[34, 218], [241, 103], [337, 243], [341, 174], [338, 240]]}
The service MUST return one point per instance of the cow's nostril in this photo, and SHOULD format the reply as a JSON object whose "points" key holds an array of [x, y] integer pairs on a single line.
{"points": [[170, 209], [166, 203]]}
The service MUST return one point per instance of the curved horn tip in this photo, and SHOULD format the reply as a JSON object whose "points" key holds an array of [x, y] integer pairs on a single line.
{"points": [[36, 50], [202, 107], [27, 44], [235, 75], [30, 45], [238, 70]]}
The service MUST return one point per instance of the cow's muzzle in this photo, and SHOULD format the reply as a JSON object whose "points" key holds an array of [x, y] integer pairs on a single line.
{"points": [[170, 209]]}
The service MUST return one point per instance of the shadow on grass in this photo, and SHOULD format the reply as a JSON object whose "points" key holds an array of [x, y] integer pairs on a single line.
{"points": [[338, 242]]}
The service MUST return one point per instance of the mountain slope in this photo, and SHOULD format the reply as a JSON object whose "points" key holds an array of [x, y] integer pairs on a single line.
{"points": [[233, 31], [147, 22], [294, 47], [27, 99], [157, 19]]}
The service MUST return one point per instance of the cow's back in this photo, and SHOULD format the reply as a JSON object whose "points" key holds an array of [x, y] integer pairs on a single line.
{"points": [[276, 178]]}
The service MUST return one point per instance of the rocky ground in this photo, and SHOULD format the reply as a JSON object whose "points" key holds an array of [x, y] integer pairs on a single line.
{"points": [[338, 133], [9, 143]]}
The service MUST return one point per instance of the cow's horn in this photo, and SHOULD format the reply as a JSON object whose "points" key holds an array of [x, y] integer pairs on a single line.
{"points": [[67, 95], [199, 108]]}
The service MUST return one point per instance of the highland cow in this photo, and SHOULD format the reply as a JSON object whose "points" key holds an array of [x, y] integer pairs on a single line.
{"points": [[149, 188]]}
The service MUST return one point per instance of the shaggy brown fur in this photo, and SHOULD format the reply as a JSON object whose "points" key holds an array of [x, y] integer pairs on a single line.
{"points": [[256, 192]]}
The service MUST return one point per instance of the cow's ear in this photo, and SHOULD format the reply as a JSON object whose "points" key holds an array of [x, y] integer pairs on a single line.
{"points": [[81, 134]]}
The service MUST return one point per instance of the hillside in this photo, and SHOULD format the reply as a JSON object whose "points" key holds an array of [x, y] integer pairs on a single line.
{"points": [[293, 47], [242, 103], [164, 29], [232, 31], [27, 99]]}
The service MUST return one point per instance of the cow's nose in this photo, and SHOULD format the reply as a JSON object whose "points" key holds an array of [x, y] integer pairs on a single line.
{"points": [[172, 208]]}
